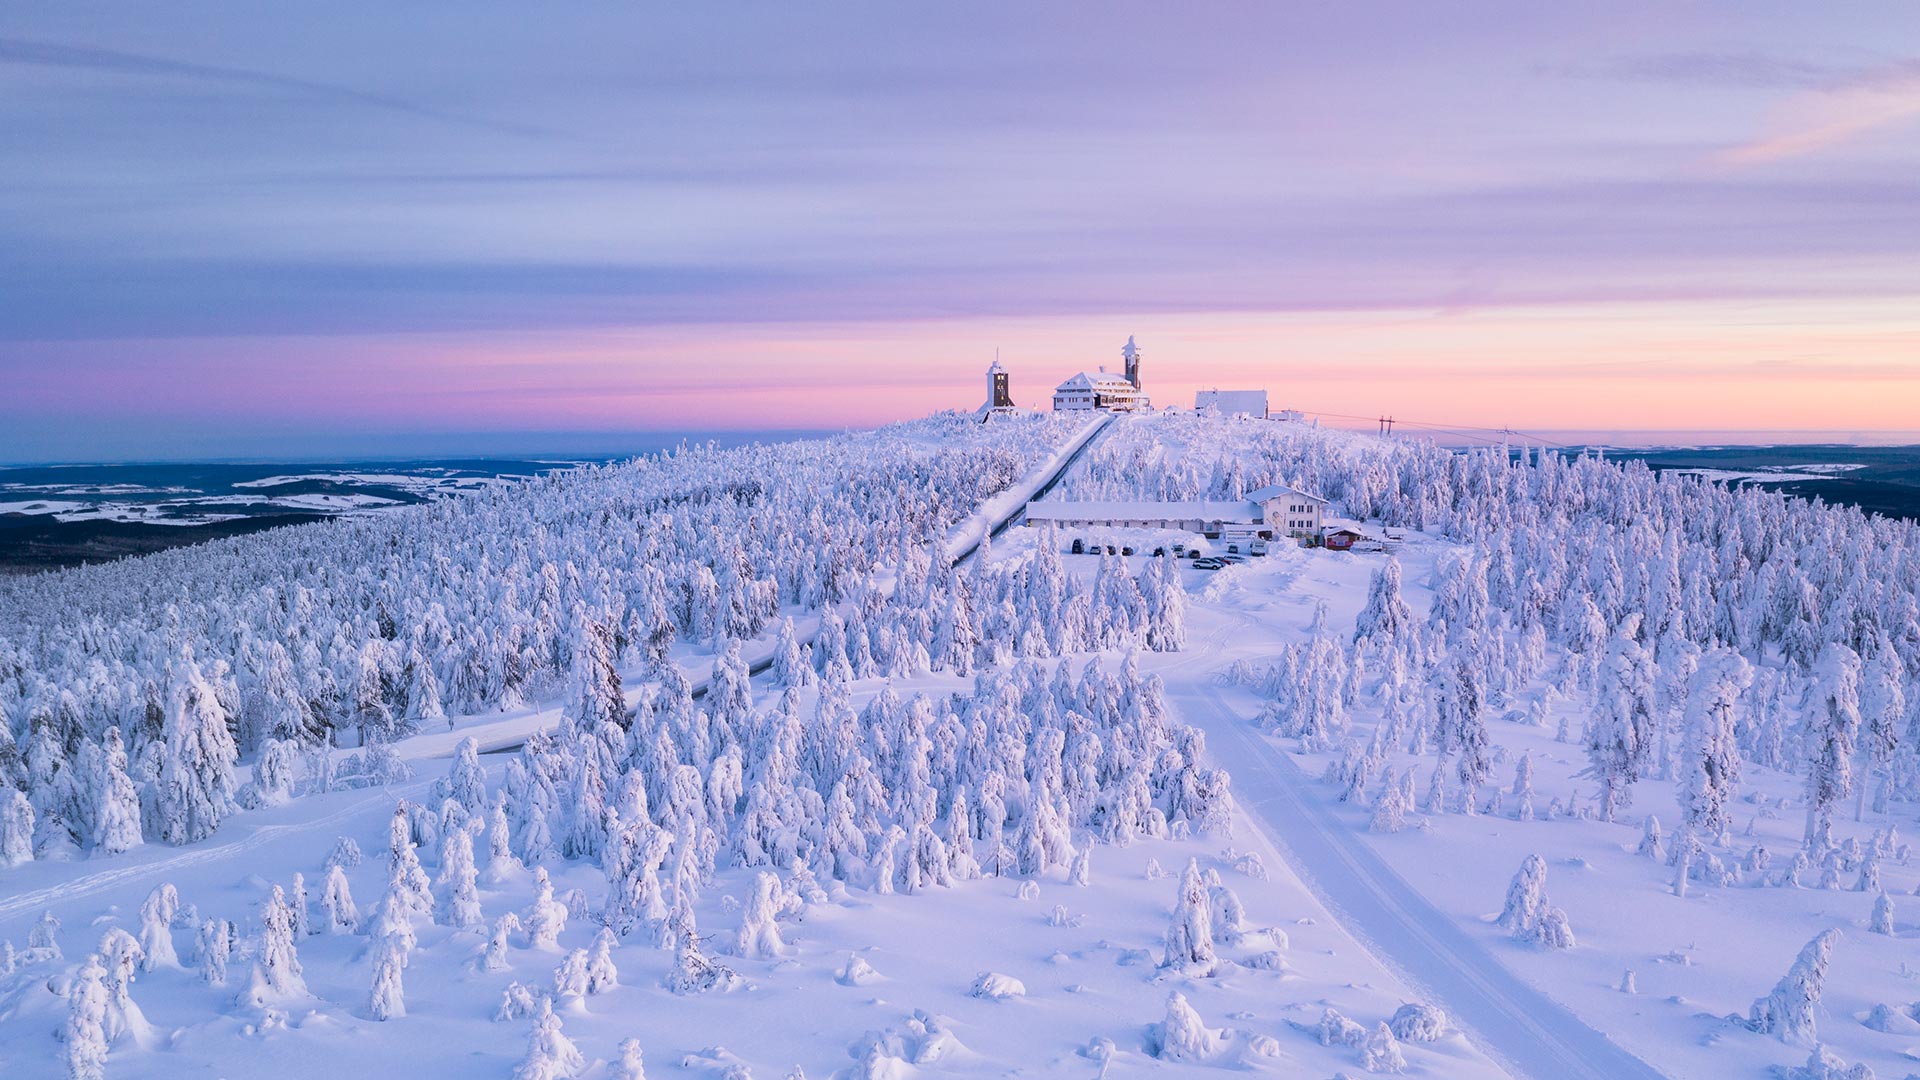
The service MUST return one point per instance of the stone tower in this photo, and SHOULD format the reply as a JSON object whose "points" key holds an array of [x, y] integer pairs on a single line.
{"points": [[1131, 354]]}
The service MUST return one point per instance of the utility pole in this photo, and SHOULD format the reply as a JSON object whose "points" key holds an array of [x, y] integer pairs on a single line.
{"points": [[1386, 425]]}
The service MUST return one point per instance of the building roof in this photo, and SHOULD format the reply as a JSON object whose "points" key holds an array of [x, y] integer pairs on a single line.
{"points": [[1143, 511], [1280, 491], [1105, 382], [1231, 400]]}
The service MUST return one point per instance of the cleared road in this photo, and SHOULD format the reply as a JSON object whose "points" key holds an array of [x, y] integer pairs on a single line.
{"points": [[1526, 1031]]}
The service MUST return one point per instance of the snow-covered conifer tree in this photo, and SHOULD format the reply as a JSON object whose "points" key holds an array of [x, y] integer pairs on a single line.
{"points": [[547, 917], [459, 886], [336, 899], [467, 783], [1788, 1012], [276, 969], [86, 1030], [1620, 734], [1833, 722], [16, 828], [550, 1054], [213, 947], [117, 819], [196, 783], [759, 937], [1709, 768], [393, 942], [1190, 932], [157, 913]]}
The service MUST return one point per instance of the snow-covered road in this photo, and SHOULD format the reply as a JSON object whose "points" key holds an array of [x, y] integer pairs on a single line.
{"points": [[1529, 1033]]}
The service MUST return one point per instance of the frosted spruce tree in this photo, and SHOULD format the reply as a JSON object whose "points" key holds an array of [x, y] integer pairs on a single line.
{"points": [[276, 968], [16, 828], [1709, 767], [1788, 1012], [336, 899], [157, 913], [459, 881], [1833, 723], [86, 1029], [393, 942], [1190, 931], [196, 783], [550, 1054], [1620, 733], [117, 821]]}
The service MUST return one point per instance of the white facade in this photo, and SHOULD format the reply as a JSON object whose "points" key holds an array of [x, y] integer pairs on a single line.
{"points": [[1232, 402], [1099, 390], [1291, 511]]}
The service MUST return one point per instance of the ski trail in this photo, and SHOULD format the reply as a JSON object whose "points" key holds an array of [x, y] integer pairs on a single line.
{"points": [[380, 802], [1528, 1032]]}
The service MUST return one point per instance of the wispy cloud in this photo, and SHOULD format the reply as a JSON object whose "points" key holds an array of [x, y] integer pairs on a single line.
{"points": [[1816, 120], [112, 61]]}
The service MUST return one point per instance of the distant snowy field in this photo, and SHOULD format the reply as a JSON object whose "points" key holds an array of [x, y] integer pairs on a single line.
{"points": [[812, 802]]}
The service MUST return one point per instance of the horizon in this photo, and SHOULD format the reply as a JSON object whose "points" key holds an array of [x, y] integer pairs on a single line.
{"points": [[236, 230]]}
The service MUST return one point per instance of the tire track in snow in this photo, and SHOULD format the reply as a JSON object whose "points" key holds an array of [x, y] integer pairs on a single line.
{"points": [[1526, 1031]]}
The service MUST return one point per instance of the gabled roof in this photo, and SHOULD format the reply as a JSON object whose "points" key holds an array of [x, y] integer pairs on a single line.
{"points": [[1277, 491], [1231, 400], [1103, 381]]}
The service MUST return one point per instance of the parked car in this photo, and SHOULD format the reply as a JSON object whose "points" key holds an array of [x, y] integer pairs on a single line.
{"points": [[1158, 552], [1079, 546], [1180, 550], [1231, 558], [1233, 549], [1128, 550], [1207, 563], [1258, 547]]}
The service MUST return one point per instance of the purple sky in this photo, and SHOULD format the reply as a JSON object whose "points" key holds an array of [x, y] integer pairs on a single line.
{"points": [[234, 226]]}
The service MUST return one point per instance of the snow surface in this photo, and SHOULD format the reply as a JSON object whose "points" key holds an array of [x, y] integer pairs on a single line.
{"points": [[877, 983]]}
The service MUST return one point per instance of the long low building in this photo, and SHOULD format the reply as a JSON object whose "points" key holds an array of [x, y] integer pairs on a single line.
{"points": [[1267, 512]]}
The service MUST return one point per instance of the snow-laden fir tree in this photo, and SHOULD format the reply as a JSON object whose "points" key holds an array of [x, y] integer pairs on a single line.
{"points": [[570, 978], [629, 1065], [759, 937], [117, 821], [459, 884], [546, 917], [1528, 915], [1709, 767], [1183, 1036], [392, 946], [121, 955], [1621, 732], [498, 944], [336, 899], [602, 974], [1833, 723], [550, 1054], [16, 828], [196, 784], [213, 947], [1881, 920], [86, 1028], [407, 882], [467, 783], [1190, 931], [157, 913], [1788, 1012], [1381, 1052], [276, 968]]}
